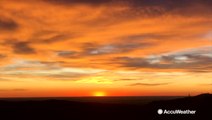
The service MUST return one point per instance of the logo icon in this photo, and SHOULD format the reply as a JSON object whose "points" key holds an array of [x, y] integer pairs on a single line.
{"points": [[160, 111]]}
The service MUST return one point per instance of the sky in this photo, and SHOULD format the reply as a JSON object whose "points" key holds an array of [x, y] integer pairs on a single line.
{"points": [[114, 47]]}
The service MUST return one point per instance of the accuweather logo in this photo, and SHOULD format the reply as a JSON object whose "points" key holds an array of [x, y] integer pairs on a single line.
{"points": [[160, 111]]}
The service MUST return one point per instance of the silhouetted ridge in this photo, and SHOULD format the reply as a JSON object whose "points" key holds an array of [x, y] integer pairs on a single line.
{"points": [[57, 109], [204, 95]]}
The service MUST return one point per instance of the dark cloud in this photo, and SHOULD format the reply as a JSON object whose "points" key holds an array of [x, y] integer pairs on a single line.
{"points": [[150, 7], [175, 7], [165, 3], [7, 24], [22, 48], [72, 2], [19, 47], [147, 84]]}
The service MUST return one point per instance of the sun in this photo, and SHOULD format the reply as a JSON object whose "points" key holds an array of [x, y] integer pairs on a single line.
{"points": [[99, 94]]}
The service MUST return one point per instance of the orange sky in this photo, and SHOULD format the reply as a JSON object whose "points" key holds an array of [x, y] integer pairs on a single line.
{"points": [[120, 47]]}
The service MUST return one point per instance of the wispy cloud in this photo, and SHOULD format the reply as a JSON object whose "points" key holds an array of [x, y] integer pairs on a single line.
{"points": [[2, 56], [210, 84], [50, 71], [13, 90], [148, 84], [4, 79]]}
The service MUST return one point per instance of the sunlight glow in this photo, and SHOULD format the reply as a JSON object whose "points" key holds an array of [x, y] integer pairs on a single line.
{"points": [[99, 94]]}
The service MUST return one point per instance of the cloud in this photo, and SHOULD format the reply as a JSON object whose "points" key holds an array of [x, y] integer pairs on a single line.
{"points": [[52, 37], [66, 76], [146, 36], [74, 2], [93, 49], [126, 79], [47, 70], [195, 60], [2, 56], [132, 40], [148, 7], [67, 54], [22, 48], [148, 84], [164, 3], [13, 90], [8, 24], [21, 64], [4, 79], [208, 36], [209, 84]]}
